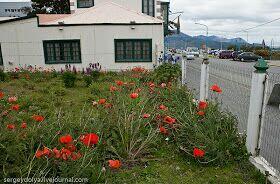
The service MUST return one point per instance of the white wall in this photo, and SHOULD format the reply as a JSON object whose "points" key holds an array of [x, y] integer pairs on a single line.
{"points": [[21, 43], [132, 4]]}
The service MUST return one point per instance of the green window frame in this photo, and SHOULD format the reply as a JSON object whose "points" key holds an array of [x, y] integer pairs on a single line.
{"points": [[1, 57], [148, 7], [133, 50], [62, 51], [85, 3]]}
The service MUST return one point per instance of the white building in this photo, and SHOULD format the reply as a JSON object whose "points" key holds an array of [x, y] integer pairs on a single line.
{"points": [[114, 33], [14, 8]]}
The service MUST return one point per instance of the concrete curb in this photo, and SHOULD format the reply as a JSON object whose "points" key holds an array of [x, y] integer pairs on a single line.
{"points": [[274, 64]]}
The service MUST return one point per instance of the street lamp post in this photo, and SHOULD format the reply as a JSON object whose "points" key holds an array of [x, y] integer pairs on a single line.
{"points": [[206, 32]]}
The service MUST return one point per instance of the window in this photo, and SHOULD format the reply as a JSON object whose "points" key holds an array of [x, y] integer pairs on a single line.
{"points": [[1, 57], [148, 7], [62, 51], [85, 3], [133, 50]]}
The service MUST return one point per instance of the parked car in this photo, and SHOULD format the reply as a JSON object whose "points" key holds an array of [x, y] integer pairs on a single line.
{"points": [[248, 56], [190, 56], [235, 54], [225, 54]]}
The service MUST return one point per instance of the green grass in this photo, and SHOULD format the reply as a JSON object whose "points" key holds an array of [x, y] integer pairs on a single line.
{"points": [[166, 165], [169, 166]]}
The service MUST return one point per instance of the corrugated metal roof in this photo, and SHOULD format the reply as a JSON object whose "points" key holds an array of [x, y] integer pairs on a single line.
{"points": [[105, 13]]}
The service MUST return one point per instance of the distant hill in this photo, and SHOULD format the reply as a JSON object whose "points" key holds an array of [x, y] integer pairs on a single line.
{"points": [[183, 40]]}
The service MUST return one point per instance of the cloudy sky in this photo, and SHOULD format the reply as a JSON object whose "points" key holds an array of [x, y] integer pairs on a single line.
{"points": [[227, 17]]}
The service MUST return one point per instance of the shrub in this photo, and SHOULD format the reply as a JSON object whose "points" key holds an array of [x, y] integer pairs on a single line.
{"points": [[95, 75], [69, 79], [87, 80], [167, 73], [3, 76]]}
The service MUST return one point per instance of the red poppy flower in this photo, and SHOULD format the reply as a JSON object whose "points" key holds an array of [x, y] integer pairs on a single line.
{"points": [[163, 85], [11, 126], [198, 153], [114, 164], [113, 88], [15, 107], [47, 151], [23, 125], [169, 120], [119, 83], [66, 139], [38, 118], [163, 107], [151, 85], [1, 95], [75, 156], [216, 88], [12, 99], [102, 101], [71, 147], [56, 152], [108, 105], [202, 105], [145, 116], [201, 113], [134, 95], [90, 139], [138, 90], [163, 130], [39, 153], [65, 153]]}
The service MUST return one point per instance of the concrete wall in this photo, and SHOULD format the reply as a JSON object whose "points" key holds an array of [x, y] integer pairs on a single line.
{"points": [[132, 4], [21, 43], [11, 9]]}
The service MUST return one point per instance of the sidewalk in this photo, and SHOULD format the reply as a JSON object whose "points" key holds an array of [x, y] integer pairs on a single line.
{"points": [[274, 63]]}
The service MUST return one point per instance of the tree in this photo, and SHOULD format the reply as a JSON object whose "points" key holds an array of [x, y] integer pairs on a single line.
{"points": [[50, 7]]}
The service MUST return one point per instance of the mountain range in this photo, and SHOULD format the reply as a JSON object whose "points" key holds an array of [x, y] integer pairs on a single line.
{"points": [[182, 40]]}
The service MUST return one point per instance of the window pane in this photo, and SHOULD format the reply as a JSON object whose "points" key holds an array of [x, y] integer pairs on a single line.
{"points": [[146, 51], [129, 50], [145, 6], [85, 3], [62, 51], [67, 52], [57, 52], [76, 51], [120, 50], [137, 50], [151, 8], [50, 52]]}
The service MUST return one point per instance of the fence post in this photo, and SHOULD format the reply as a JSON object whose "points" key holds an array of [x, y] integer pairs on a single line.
{"points": [[204, 80], [256, 107], [183, 71]]}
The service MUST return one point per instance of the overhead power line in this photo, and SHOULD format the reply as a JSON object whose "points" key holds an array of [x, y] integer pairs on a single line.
{"points": [[244, 30]]}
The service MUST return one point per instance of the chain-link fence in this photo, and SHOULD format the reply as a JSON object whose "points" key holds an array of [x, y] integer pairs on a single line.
{"points": [[236, 81], [270, 137]]}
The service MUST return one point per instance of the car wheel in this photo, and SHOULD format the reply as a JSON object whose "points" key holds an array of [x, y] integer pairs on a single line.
{"points": [[242, 59]]}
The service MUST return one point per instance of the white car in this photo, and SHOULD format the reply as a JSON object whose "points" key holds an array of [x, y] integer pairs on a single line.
{"points": [[190, 56]]}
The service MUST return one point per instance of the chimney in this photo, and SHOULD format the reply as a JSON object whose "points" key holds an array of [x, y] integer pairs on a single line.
{"points": [[73, 6]]}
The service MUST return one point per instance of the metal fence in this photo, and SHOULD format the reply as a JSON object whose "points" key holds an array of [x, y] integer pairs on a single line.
{"points": [[236, 81], [270, 135]]}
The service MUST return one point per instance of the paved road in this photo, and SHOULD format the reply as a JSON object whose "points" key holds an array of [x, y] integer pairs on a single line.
{"points": [[234, 78]]}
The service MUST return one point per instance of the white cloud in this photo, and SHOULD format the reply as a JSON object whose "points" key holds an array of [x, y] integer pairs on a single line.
{"points": [[226, 17]]}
